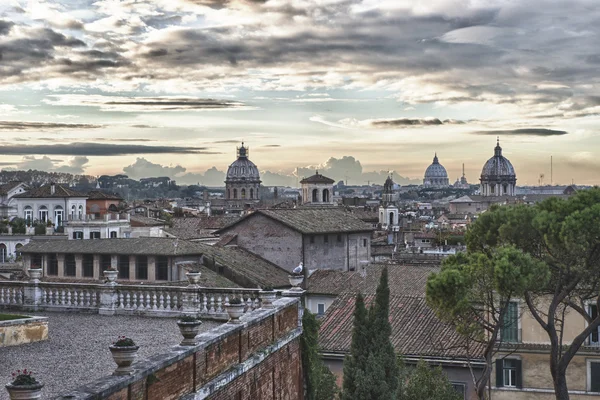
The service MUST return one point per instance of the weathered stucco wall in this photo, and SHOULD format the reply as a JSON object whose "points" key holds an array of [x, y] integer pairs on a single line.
{"points": [[21, 331]]}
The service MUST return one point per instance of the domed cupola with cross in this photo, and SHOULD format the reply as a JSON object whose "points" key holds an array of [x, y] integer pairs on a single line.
{"points": [[498, 177], [242, 183], [436, 175]]}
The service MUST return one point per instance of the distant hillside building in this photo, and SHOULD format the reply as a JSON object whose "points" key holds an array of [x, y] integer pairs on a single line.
{"points": [[242, 184], [317, 190]]}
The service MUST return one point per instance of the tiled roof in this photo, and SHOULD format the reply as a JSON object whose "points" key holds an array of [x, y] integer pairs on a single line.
{"points": [[313, 220], [416, 331], [194, 228], [140, 220], [45, 192], [318, 178], [132, 246], [408, 280], [98, 195], [250, 267], [7, 187]]}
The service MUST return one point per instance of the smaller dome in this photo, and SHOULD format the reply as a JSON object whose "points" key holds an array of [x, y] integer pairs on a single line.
{"points": [[497, 166], [436, 170], [243, 168]]}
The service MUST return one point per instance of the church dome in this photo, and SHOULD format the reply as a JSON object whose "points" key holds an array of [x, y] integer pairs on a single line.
{"points": [[436, 175], [243, 169], [388, 186], [497, 166]]}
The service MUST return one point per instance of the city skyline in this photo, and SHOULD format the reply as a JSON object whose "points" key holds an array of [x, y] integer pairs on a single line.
{"points": [[358, 88]]}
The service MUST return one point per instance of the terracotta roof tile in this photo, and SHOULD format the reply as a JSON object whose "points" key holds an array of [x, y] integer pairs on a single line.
{"points": [[45, 192]]}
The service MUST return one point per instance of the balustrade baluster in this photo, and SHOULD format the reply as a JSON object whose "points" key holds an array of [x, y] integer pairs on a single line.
{"points": [[154, 301], [121, 305], [161, 301], [61, 300], [11, 293], [127, 300], [68, 301], [168, 305], [148, 305], [1, 295]]}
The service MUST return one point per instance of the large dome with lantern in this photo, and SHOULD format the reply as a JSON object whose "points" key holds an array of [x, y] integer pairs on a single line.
{"points": [[436, 175], [243, 169]]}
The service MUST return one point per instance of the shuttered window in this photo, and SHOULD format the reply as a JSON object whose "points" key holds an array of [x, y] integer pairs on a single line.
{"points": [[510, 323], [509, 372], [595, 376]]}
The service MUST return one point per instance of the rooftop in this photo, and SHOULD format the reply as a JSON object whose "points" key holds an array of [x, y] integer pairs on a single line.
{"points": [[194, 228], [76, 351], [317, 178], [98, 195], [312, 220], [7, 187], [45, 192]]}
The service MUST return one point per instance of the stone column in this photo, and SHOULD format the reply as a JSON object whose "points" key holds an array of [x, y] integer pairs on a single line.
{"points": [[60, 259], [78, 265], [151, 268], [108, 299], [32, 295], [97, 266], [131, 268]]}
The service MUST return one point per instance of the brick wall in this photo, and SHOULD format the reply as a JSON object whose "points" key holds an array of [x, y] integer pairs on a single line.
{"points": [[259, 359]]}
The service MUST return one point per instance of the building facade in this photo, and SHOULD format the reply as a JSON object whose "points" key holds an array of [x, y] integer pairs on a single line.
{"points": [[8, 204], [51, 204], [242, 183]]}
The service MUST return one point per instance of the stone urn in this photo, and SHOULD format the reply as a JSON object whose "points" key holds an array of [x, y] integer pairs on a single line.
{"points": [[296, 281], [25, 392], [235, 311], [193, 278], [124, 356], [111, 276], [267, 297], [35, 274], [189, 331]]}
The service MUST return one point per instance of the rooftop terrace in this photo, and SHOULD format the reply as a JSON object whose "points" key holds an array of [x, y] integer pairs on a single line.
{"points": [[76, 351]]}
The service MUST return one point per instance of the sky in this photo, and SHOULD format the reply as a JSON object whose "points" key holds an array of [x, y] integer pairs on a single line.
{"points": [[355, 88]]}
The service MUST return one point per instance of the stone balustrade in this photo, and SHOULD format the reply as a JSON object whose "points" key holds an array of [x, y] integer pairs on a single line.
{"points": [[111, 299]]}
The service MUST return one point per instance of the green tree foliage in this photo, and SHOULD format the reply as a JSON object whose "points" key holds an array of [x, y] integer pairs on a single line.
{"points": [[320, 382], [18, 225], [424, 383], [370, 370], [564, 235], [472, 292]]}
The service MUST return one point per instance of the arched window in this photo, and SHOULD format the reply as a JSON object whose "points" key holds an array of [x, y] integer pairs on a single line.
{"points": [[80, 211], [113, 234], [3, 253], [73, 211], [251, 193], [504, 188], [18, 250], [235, 193], [492, 187], [325, 195], [315, 196], [58, 215], [391, 218], [43, 213], [243, 193], [28, 213], [243, 170], [229, 193]]}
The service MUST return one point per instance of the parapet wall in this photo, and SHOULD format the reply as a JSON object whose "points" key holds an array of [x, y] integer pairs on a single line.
{"points": [[258, 358]]}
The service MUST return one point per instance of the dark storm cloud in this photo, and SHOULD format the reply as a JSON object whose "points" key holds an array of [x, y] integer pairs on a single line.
{"points": [[5, 26], [25, 125], [404, 122], [523, 132], [98, 149], [176, 103]]}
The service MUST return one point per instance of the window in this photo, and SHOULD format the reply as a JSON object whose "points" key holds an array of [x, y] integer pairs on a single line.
{"points": [[58, 215], [325, 196], [105, 263], [18, 250], [339, 238], [43, 213], [94, 235], [461, 388], [80, 211], [510, 324], [320, 309], [52, 267], [123, 267], [243, 193], [3, 252], [113, 234], [593, 375], [70, 266], [235, 193], [162, 268], [492, 189], [312, 239], [315, 196], [88, 266], [325, 239], [141, 268], [77, 235], [364, 242], [508, 372], [251, 193], [73, 211], [504, 188], [28, 214], [595, 336]]}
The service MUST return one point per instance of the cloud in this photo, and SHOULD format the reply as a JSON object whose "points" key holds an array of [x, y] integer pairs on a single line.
{"points": [[5, 27], [407, 122], [143, 104], [143, 168], [42, 126], [75, 166], [523, 132], [98, 149]]}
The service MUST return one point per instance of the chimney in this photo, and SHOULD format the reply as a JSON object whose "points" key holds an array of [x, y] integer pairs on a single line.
{"points": [[52, 188]]}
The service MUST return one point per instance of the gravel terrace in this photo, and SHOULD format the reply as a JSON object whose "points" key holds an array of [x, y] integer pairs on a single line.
{"points": [[76, 351]]}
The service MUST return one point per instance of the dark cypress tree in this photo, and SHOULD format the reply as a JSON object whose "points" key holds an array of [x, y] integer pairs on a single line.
{"points": [[320, 382], [355, 363], [382, 368]]}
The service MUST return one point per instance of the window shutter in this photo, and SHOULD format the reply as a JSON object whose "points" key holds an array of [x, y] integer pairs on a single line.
{"points": [[519, 365], [593, 314], [595, 376], [499, 372]]}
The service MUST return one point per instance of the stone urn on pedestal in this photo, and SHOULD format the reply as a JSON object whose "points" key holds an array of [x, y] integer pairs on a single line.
{"points": [[111, 275], [267, 297], [235, 309], [35, 273], [189, 326], [24, 386], [124, 352], [296, 281]]}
